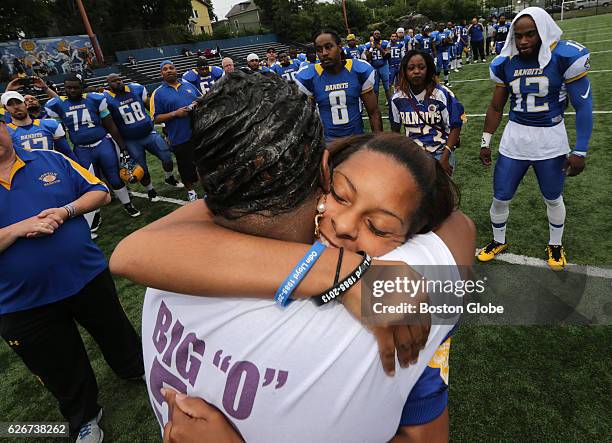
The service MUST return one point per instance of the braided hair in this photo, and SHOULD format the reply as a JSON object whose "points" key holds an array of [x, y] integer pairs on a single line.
{"points": [[259, 144]]}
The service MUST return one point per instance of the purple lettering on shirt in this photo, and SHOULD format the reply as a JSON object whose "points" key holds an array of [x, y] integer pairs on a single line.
{"points": [[249, 389], [175, 337], [162, 325], [160, 377], [184, 357]]}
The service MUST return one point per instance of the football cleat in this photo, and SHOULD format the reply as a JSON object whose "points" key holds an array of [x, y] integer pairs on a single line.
{"points": [[131, 210], [192, 196], [129, 171], [489, 252], [153, 195], [556, 257], [174, 182]]}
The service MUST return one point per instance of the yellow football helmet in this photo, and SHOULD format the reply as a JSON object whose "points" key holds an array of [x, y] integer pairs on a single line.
{"points": [[130, 171]]}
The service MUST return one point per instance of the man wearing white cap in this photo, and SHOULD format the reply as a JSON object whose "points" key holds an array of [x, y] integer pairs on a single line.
{"points": [[29, 133], [406, 39], [537, 70], [253, 63]]}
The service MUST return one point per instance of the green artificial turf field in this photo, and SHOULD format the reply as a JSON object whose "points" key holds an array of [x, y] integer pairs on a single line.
{"points": [[507, 383]]}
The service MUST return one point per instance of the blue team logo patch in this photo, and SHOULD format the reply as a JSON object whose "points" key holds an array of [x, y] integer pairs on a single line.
{"points": [[49, 178]]}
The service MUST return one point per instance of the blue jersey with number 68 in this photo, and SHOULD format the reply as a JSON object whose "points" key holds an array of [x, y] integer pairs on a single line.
{"points": [[82, 118], [537, 95], [337, 95], [129, 111]]}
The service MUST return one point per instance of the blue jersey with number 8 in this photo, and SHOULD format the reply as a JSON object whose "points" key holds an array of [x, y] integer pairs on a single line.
{"points": [[537, 95], [337, 95]]}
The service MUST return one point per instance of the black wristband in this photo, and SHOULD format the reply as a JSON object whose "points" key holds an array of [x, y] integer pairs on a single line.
{"points": [[338, 266], [347, 283]]}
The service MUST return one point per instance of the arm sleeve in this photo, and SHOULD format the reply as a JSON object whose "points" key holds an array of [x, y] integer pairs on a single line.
{"points": [[456, 112], [144, 94], [429, 396], [367, 76], [395, 115], [303, 79], [580, 95], [50, 108], [496, 71], [156, 106]]}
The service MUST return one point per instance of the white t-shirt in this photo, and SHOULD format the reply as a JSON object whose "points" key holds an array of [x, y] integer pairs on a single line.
{"points": [[301, 373]]}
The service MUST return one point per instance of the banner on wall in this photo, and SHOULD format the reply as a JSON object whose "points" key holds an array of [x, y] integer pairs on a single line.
{"points": [[47, 56]]}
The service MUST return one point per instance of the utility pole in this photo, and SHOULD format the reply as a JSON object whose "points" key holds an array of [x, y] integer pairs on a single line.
{"points": [[92, 37], [348, 31]]}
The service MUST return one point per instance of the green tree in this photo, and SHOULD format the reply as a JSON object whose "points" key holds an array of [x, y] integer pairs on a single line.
{"points": [[21, 18]]}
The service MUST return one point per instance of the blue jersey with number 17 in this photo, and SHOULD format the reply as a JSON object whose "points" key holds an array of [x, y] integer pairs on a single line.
{"points": [[537, 95], [41, 134], [129, 111], [337, 95], [82, 118]]}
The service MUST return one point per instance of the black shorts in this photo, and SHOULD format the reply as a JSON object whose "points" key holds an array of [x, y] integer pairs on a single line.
{"points": [[185, 160]]}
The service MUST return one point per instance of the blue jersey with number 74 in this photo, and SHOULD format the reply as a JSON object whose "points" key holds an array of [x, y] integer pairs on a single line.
{"points": [[537, 95], [337, 95], [82, 118]]}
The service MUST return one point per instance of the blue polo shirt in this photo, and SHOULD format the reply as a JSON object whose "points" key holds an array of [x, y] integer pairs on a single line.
{"points": [[168, 98], [39, 271]]}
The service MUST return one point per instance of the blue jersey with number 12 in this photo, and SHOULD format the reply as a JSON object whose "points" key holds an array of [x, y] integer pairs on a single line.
{"points": [[129, 111], [537, 95], [82, 118], [337, 95]]}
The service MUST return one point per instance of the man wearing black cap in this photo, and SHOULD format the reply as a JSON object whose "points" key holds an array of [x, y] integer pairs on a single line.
{"points": [[203, 76]]}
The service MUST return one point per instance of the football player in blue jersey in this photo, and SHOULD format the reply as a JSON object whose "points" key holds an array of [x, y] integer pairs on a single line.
{"points": [[29, 133], [443, 47], [128, 107], [285, 67], [431, 114], [254, 64], [501, 32], [537, 71], [425, 42], [203, 76], [352, 50], [463, 43], [396, 51], [35, 109], [336, 85], [90, 126], [377, 54], [477, 40]]}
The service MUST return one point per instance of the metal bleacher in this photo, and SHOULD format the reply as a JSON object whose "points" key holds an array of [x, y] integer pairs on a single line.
{"points": [[147, 72], [239, 54]]}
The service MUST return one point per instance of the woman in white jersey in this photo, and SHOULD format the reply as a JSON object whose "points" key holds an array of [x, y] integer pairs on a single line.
{"points": [[412, 201]]}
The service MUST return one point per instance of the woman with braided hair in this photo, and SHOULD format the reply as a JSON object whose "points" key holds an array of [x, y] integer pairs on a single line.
{"points": [[262, 161]]}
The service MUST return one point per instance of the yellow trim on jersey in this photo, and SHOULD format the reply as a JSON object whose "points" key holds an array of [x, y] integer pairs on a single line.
{"points": [[367, 90], [578, 77], [319, 69], [19, 163], [36, 122], [349, 64], [88, 176], [152, 104], [554, 45], [440, 360], [12, 126], [501, 85]]}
